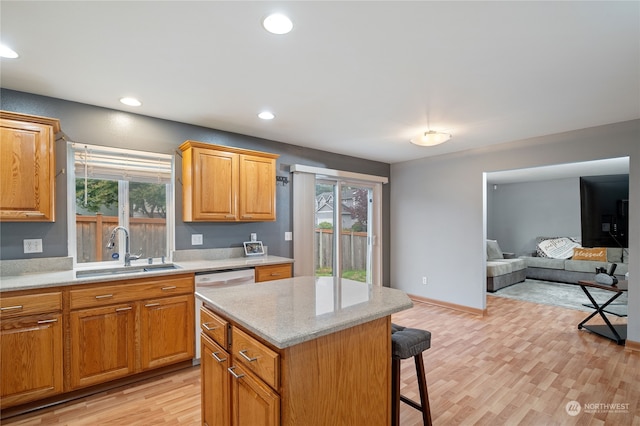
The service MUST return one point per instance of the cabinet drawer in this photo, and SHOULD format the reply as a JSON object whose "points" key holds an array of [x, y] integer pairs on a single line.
{"points": [[12, 306], [129, 290], [214, 327], [264, 362], [273, 272]]}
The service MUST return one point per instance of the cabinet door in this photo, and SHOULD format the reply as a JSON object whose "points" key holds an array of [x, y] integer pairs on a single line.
{"points": [[257, 188], [216, 408], [253, 402], [215, 185], [167, 335], [102, 344], [26, 172], [31, 358]]}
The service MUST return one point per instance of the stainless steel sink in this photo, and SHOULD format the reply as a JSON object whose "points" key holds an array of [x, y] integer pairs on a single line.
{"points": [[120, 270]]}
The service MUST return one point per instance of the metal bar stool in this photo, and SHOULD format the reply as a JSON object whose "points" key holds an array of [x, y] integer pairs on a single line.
{"points": [[407, 343]]}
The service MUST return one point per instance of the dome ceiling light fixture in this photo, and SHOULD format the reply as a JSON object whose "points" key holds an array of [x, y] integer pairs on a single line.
{"points": [[430, 138], [277, 23]]}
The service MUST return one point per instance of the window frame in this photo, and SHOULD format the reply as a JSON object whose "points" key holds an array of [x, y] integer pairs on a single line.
{"points": [[123, 216]]}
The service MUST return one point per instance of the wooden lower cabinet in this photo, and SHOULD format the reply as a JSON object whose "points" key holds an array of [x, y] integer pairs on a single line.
{"points": [[110, 340], [30, 358], [215, 379], [163, 336], [73, 337], [252, 401], [231, 395], [102, 344], [273, 272], [340, 378]]}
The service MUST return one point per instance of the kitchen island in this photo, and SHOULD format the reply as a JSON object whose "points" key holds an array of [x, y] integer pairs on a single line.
{"points": [[304, 350]]}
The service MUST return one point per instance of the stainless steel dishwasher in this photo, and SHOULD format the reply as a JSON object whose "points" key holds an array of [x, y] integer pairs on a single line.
{"points": [[218, 279]]}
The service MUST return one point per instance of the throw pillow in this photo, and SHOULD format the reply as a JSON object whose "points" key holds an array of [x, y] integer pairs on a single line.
{"points": [[558, 248], [598, 254], [493, 250]]}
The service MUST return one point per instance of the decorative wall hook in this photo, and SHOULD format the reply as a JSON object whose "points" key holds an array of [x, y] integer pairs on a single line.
{"points": [[282, 179]]}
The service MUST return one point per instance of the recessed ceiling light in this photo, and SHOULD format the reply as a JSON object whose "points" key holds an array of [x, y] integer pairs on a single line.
{"points": [[131, 101], [277, 23], [266, 115], [7, 52]]}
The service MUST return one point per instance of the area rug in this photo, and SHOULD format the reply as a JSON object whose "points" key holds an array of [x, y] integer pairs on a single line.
{"points": [[566, 295]]}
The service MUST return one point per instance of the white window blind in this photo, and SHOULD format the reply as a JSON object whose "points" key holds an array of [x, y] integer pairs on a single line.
{"points": [[99, 162]]}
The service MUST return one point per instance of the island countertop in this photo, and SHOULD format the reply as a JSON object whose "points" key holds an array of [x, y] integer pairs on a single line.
{"points": [[294, 310]]}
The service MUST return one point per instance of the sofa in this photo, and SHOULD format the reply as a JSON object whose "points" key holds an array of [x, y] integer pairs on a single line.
{"points": [[573, 270], [503, 269]]}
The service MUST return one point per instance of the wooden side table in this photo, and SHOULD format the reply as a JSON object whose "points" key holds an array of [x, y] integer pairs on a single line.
{"points": [[617, 332]]}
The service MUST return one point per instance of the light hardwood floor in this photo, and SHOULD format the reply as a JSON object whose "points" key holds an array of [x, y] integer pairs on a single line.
{"points": [[519, 365]]}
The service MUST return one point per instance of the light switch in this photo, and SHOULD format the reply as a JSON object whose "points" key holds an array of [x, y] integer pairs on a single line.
{"points": [[288, 236], [196, 239]]}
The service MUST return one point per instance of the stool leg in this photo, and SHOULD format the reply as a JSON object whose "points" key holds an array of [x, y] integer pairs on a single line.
{"points": [[395, 392], [422, 387]]}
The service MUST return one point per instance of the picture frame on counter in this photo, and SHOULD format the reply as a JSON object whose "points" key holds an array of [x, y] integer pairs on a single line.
{"points": [[253, 248]]}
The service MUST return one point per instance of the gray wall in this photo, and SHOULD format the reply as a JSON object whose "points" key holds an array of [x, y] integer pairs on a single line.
{"points": [[100, 126], [517, 213], [438, 223]]}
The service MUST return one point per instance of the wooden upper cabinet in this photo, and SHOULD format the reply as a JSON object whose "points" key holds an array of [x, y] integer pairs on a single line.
{"points": [[257, 188], [27, 167], [225, 184]]}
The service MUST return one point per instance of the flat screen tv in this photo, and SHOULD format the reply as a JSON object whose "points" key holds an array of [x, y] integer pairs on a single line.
{"points": [[604, 210]]}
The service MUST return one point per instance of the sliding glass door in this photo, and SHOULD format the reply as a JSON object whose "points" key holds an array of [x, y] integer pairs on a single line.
{"points": [[343, 229]]}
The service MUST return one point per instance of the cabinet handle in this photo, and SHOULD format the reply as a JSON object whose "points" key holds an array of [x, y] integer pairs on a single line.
{"points": [[150, 305], [244, 355], [237, 376], [215, 355], [47, 321], [11, 308], [171, 287], [104, 296], [34, 214], [276, 274], [230, 216], [128, 308], [206, 326]]}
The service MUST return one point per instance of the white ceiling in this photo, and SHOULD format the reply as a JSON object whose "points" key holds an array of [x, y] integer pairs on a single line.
{"points": [[610, 166], [356, 78]]}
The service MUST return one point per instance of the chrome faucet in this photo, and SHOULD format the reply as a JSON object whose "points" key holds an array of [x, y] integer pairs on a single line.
{"points": [[128, 257]]}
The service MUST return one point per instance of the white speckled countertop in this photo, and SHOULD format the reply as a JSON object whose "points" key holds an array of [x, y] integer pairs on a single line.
{"points": [[42, 279], [291, 311]]}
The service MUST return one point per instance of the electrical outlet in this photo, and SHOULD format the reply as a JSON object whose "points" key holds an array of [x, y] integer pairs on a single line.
{"points": [[196, 239], [424, 280], [288, 236], [33, 246], [254, 236]]}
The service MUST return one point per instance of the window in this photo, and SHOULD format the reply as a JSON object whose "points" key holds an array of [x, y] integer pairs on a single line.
{"points": [[119, 188]]}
